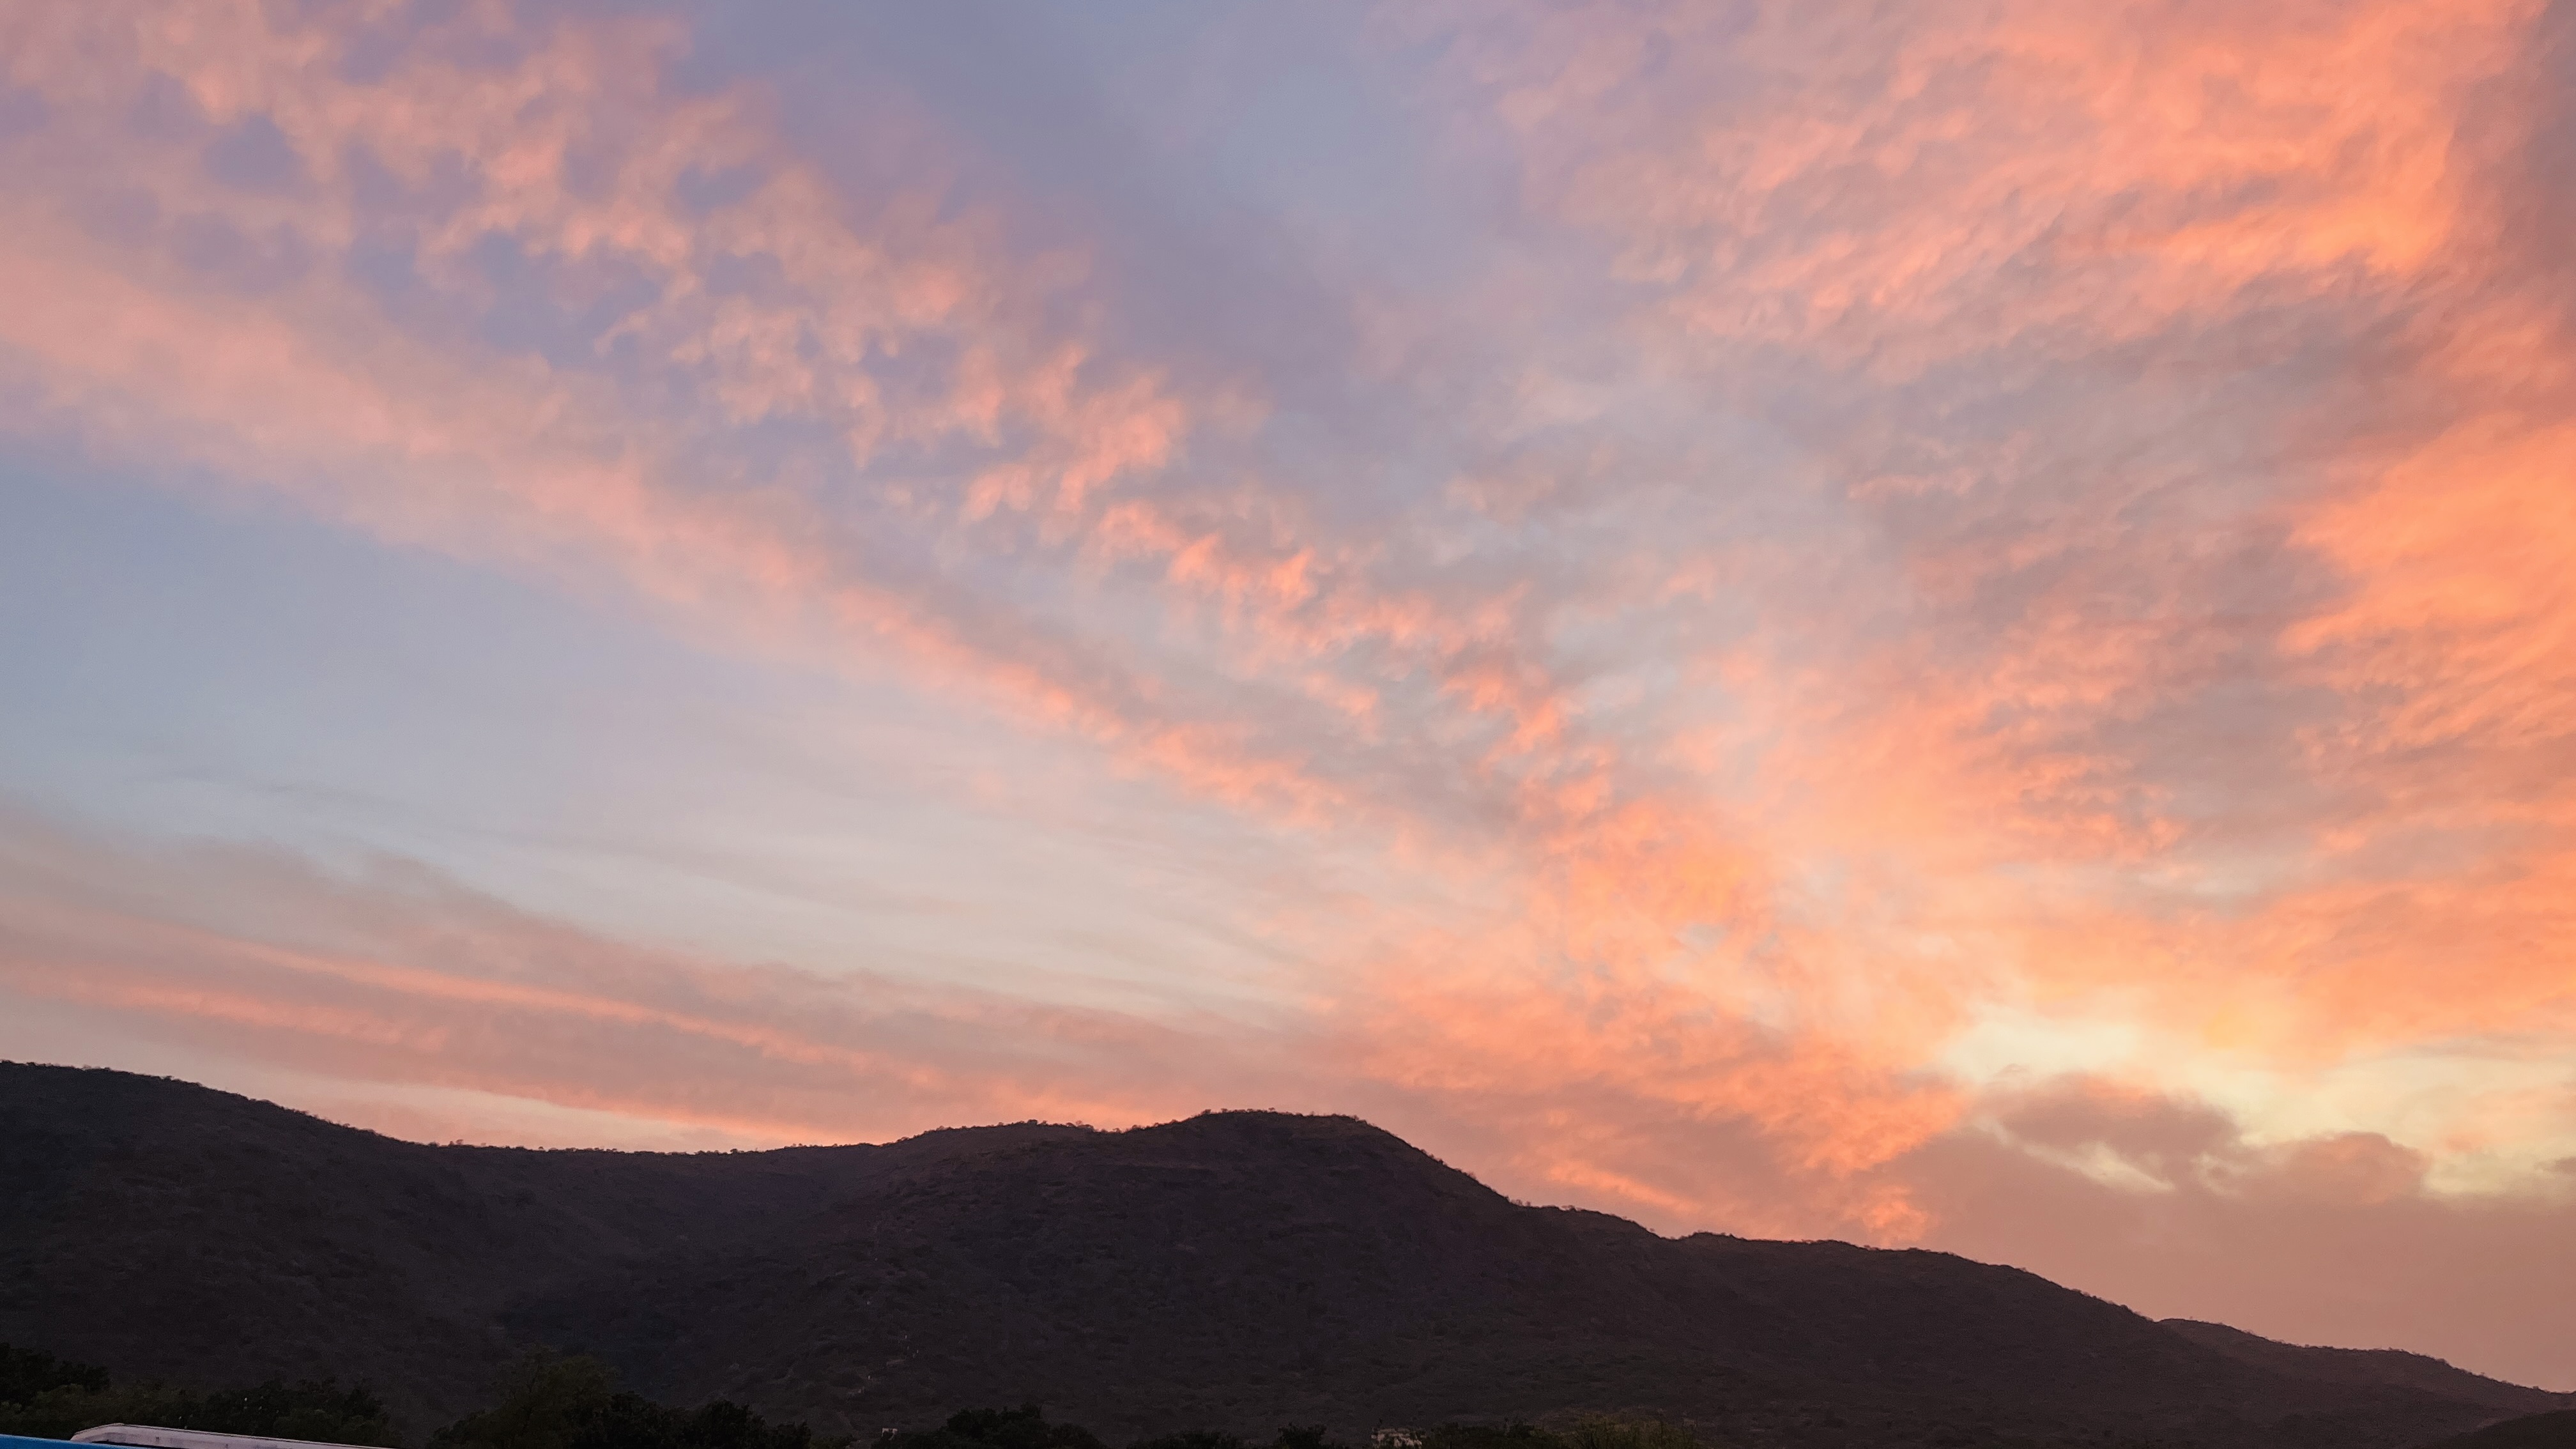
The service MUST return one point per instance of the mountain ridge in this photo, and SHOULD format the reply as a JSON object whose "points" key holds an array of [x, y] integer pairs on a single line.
{"points": [[1234, 1270]]}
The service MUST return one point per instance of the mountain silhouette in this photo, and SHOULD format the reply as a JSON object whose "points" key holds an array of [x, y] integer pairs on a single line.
{"points": [[1238, 1271]]}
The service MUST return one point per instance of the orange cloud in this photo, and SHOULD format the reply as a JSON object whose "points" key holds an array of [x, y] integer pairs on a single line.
{"points": [[411, 979], [2239, 706]]}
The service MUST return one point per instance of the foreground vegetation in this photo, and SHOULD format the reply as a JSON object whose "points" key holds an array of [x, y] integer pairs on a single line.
{"points": [[49, 1398], [1027, 1428], [552, 1402]]}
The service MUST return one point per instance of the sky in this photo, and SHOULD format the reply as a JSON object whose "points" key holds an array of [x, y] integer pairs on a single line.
{"points": [[1947, 625]]}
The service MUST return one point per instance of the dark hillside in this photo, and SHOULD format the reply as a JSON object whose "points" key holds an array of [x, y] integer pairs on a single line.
{"points": [[170, 1230], [2366, 1366], [2556, 1430], [1237, 1270]]}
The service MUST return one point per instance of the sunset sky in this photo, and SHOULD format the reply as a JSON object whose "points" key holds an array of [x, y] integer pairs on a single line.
{"points": [[1948, 624]]}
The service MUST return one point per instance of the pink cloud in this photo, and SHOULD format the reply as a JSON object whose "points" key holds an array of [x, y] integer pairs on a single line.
{"points": [[2323, 1240]]}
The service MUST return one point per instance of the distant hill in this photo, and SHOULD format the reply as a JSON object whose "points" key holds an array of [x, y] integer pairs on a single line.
{"points": [[1237, 1270], [2364, 1367]]}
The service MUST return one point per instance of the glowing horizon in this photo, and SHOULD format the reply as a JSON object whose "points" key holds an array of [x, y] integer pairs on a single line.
{"points": [[1949, 628]]}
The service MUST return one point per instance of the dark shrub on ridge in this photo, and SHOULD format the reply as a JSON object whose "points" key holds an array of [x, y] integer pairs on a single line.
{"points": [[574, 1403]]}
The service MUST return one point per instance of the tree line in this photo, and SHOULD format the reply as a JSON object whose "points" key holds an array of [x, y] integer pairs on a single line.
{"points": [[49, 1398], [549, 1401]]}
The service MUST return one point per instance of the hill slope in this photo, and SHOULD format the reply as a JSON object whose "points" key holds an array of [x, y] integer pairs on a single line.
{"points": [[2556, 1430], [1238, 1270], [2363, 1367]]}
